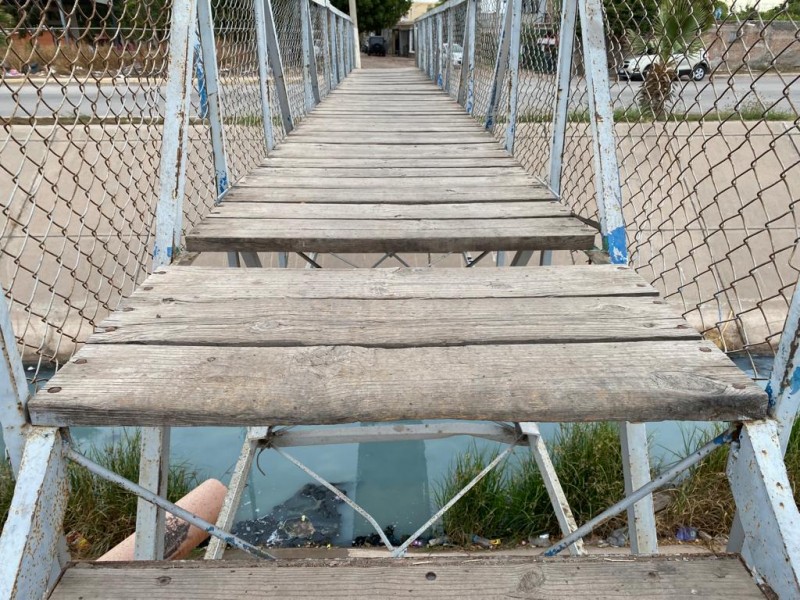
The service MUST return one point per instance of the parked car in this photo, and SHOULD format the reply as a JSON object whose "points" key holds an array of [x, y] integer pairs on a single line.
{"points": [[376, 46], [457, 55], [687, 65]]}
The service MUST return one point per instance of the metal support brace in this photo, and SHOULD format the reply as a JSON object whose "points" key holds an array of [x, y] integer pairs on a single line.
{"points": [[566, 46], [439, 53], [13, 390], [236, 487], [636, 472], [340, 48], [208, 52], [335, 78], [307, 44], [275, 61], [31, 542], [499, 68], [263, 72], [169, 223], [448, 59], [558, 499], [326, 52], [515, 9], [769, 516], [466, 92], [606, 169], [431, 50], [783, 390]]}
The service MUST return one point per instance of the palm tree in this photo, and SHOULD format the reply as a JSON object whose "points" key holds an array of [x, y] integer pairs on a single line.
{"points": [[676, 32]]}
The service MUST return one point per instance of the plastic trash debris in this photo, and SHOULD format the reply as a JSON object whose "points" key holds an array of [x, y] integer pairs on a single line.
{"points": [[481, 541], [438, 541], [686, 534], [618, 537], [540, 541]]}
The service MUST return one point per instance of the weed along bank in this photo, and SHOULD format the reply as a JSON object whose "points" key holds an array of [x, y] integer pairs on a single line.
{"points": [[482, 322]]}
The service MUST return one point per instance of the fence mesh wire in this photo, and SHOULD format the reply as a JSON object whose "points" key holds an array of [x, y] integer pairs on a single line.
{"points": [[82, 87], [707, 146]]}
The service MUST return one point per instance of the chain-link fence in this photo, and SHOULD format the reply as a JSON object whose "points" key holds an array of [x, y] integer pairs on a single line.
{"points": [[83, 89], [705, 100]]}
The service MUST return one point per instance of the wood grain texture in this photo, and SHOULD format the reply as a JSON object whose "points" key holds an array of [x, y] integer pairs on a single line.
{"points": [[129, 384], [198, 319], [713, 578], [302, 210], [430, 194], [398, 183], [397, 162], [373, 172], [485, 150], [429, 235], [398, 283]]}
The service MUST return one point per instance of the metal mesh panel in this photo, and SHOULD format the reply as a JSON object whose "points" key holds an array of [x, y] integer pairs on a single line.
{"points": [[82, 103], [707, 163], [487, 43], [287, 22], [237, 56], [319, 25]]}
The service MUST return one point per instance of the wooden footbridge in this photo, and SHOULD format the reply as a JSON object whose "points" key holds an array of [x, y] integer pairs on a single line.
{"points": [[389, 164]]}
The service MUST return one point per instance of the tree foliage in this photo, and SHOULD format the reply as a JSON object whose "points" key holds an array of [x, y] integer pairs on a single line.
{"points": [[375, 15]]}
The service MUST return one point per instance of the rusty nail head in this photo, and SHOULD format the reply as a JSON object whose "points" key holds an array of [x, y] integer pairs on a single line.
{"points": [[54, 390]]}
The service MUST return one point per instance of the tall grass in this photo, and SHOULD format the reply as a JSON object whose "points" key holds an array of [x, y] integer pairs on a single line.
{"points": [[101, 514], [512, 502]]}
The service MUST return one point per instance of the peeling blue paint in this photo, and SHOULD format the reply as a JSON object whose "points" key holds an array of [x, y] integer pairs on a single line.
{"points": [[795, 381], [201, 82], [616, 244]]}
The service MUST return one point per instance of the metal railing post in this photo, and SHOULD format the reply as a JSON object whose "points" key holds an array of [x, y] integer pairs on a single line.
{"points": [[210, 80], [326, 51], [633, 436], [154, 463], [356, 45], [263, 72], [566, 45], [340, 48], [513, 69], [275, 61], [431, 51], [439, 53], [13, 389], [306, 43], [334, 50], [499, 68], [466, 91], [448, 59]]}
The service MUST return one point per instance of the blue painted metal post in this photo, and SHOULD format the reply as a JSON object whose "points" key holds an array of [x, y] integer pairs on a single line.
{"points": [[514, 38], [499, 69], [263, 72], [326, 51], [633, 436], [431, 51], [448, 58], [169, 223], [210, 82]]}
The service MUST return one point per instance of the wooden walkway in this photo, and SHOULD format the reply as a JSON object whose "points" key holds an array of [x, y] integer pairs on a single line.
{"points": [[389, 164]]}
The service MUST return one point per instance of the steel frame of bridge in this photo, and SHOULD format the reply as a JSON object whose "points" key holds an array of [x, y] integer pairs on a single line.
{"points": [[767, 532]]}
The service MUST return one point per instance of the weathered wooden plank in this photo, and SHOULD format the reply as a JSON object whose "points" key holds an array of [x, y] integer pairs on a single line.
{"points": [[385, 126], [431, 235], [394, 139], [389, 151], [195, 385], [639, 578], [398, 283], [430, 194], [255, 179], [393, 172], [197, 319], [397, 162], [302, 210]]}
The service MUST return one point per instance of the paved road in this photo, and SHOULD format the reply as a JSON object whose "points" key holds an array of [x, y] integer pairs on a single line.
{"points": [[146, 100]]}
